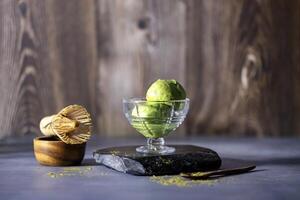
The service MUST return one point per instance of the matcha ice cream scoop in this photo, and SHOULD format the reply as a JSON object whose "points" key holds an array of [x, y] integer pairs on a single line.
{"points": [[165, 90], [163, 110], [151, 110], [151, 119]]}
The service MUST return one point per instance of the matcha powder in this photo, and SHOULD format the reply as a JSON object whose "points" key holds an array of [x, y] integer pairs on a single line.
{"points": [[70, 171], [180, 181]]}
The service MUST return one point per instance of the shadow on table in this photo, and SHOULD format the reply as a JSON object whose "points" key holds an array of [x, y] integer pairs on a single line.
{"points": [[15, 148], [232, 163], [89, 162], [278, 161], [235, 163]]}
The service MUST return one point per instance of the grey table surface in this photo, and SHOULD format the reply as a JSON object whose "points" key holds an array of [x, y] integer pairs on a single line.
{"points": [[277, 175]]}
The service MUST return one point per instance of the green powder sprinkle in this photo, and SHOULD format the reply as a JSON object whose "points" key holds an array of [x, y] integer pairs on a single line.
{"points": [[76, 171], [52, 174], [180, 181], [70, 171], [88, 168], [114, 152], [166, 161]]}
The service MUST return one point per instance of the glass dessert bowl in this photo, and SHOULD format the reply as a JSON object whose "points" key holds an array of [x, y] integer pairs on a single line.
{"points": [[155, 120]]}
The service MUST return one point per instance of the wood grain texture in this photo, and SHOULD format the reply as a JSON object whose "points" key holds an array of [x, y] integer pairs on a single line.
{"points": [[50, 151], [138, 44], [245, 76], [48, 60], [238, 60], [10, 68]]}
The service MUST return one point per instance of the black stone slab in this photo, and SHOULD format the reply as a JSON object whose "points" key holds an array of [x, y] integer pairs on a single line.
{"points": [[186, 158]]}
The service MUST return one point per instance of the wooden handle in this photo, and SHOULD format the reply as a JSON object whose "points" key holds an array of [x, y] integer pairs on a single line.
{"points": [[59, 123], [45, 125]]}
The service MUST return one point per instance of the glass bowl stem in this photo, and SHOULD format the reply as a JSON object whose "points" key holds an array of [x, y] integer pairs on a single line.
{"points": [[155, 146]]}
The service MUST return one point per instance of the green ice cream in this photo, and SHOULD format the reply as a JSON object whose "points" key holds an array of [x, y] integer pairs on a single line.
{"points": [[152, 119], [165, 90], [152, 110]]}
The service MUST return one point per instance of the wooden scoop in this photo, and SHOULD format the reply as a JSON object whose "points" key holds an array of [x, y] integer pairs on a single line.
{"points": [[72, 125], [217, 173]]}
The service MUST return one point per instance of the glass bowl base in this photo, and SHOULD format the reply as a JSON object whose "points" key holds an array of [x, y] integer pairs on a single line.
{"points": [[155, 149], [155, 146]]}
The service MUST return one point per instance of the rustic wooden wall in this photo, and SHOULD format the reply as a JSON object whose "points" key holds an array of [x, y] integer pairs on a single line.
{"points": [[238, 59]]}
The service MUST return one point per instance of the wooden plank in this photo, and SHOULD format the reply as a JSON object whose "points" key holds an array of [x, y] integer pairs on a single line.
{"points": [[138, 43], [240, 66], [214, 66], [296, 63], [72, 52], [239, 61], [119, 72], [9, 68], [48, 61]]}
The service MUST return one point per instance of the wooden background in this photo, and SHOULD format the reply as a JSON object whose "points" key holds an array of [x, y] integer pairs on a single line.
{"points": [[238, 60]]}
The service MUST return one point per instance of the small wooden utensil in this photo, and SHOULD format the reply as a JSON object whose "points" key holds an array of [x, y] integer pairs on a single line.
{"points": [[216, 173]]}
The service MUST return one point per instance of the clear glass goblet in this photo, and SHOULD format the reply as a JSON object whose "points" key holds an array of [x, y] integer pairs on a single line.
{"points": [[155, 120]]}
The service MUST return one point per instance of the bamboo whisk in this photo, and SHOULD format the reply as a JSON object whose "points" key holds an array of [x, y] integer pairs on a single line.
{"points": [[72, 125]]}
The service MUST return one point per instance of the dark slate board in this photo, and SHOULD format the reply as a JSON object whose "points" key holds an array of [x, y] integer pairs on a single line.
{"points": [[186, 158]]}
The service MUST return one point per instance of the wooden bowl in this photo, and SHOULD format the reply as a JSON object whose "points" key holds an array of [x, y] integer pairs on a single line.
{"points": [[51, 151]]}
